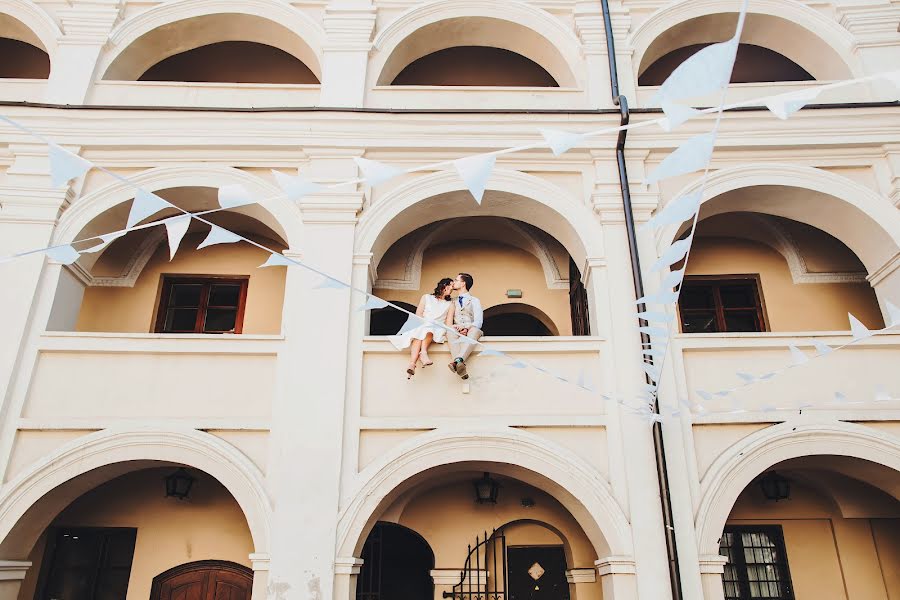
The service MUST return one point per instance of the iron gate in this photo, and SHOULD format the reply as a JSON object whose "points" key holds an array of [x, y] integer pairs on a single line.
{"points": [[483, 559]]}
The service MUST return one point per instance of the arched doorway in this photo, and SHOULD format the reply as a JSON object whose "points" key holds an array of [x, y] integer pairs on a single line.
{"points": [[389, 320], [203, 580], [397, 565], [517, 319]]}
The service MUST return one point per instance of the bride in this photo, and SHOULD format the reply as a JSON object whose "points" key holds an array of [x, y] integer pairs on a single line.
{"points": [[436, 307]]}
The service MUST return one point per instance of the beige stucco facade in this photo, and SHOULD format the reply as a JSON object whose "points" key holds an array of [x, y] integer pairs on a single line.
{"points": [[303, 432]]}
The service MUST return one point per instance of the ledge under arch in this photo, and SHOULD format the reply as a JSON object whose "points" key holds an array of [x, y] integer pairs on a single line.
{"points": [[549, 35], [840, 42], [114, 449], [304, 37], [744, 461], [576, 485]]}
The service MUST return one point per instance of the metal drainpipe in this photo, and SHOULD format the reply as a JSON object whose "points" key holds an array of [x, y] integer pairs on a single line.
{"points": [[658, 446]]}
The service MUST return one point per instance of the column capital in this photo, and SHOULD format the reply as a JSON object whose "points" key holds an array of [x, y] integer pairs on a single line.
{"points": [[14, 570], [712, 563], [616, 565], [260, 561], [347, 565], [581, 576], [350, 28]]}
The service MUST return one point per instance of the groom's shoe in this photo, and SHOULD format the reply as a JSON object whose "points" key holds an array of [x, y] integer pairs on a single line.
{"points": [[461, 369], [452, 366]]}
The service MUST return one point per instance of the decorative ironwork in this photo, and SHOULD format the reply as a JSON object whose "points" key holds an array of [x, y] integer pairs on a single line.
{"points": [[485, 572]]}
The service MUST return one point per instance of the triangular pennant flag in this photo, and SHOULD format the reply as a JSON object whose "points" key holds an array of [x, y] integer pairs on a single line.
{"points": [[276, 260], [176, 227], [692, 155], [858, 330], [654, 331], [475, 172], [232, 196], [561, 141], [295, 187], [797, 356], [676, 114], [64, 255], [106, 240], [376, 173], [784, 105], [673, 279], [673, 254], [705, 72], [217, 235], [660, 297], [517, 364], [65, 166], [373, 303], [893, 314], [655, 316], [840, 397], [651, 370], [767, 376], [491, 352], [144, 205], [821, 348], [746, 377], [412, 321], [705, 395], [328, 283], [677, 211], [654, 353]]}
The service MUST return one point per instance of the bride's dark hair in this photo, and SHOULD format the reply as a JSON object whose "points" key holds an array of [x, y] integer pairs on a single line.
{"points": [[439, 288]]}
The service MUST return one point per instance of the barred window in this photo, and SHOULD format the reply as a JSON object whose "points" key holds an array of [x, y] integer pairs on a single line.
{"points": [[757, 563]]}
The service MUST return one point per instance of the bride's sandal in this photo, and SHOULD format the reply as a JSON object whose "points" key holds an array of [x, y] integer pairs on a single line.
{"points": [[410, 370]]}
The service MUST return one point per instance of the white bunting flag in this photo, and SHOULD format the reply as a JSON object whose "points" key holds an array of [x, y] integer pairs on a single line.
{"points": [[840, 397], [797, 356], [707, 71], [475, 172], [784, 105], [412, 321], [821, 348], [673, 279], [660, 297], [232, 196], [105, 240], [217, 235], [64, 255], [858, 330], [654, 331], [893, 314], [373, 303], [655, 316], [327, 283], [747, 378], [144, 205], [651, 370], [705, 395], [655, 353], [276, 260], [295, 188], [677, 211], [517, 364], [692, 155], [676, 114], [561, 141], [673, 254], [65, 166], [176, 228], [376, 173], [491, 352]]}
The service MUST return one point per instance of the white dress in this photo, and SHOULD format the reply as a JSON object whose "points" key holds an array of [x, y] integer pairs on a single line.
{"points": [[435, 310]]}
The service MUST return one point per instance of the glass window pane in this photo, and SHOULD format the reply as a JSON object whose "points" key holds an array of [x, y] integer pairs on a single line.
{"points": [[224, 294], [741, 320], [220, 319], [696, 295], [181, 319], [698, 322], [185, 295], [119, 549], [738, 296]]}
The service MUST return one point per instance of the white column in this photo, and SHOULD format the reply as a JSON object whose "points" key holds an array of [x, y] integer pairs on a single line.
{"points": [[582, 580], [617, 576], [712, 567], [260, 564], [86, 24], [12, 572], [591, 29], [346, 572], [349, 25]]}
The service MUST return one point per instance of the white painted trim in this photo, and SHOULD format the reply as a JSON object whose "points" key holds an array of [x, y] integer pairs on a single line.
{"points": [[616, 565], [37, 20], [581, 575], [14, 570]]}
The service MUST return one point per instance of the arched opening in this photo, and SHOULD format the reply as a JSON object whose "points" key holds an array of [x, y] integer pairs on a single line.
{"points": [[22, 60], [232, 62], [471, 50], [397, 565], [109, 533], [751, 271], [389, 320], [204, 580], [811, 525], [517, 319], [475, 66], [772, 49], [227, 47], [132, 286], [508, 258], [753, 64]]}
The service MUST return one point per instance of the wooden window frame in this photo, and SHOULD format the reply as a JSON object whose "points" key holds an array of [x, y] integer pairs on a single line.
{"points": [[166, 282], [776, 534], [717, 281], [49, 555]]}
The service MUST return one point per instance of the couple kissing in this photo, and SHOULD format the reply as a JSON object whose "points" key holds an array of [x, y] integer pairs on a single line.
{"points": [[462, 315]]}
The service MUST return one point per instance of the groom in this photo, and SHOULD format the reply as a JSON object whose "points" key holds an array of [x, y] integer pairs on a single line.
{"points": [[468, 319]]}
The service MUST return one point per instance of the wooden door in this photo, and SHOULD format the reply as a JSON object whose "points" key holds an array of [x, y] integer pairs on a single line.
{"points": [[537, 573], [204, 580]]}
